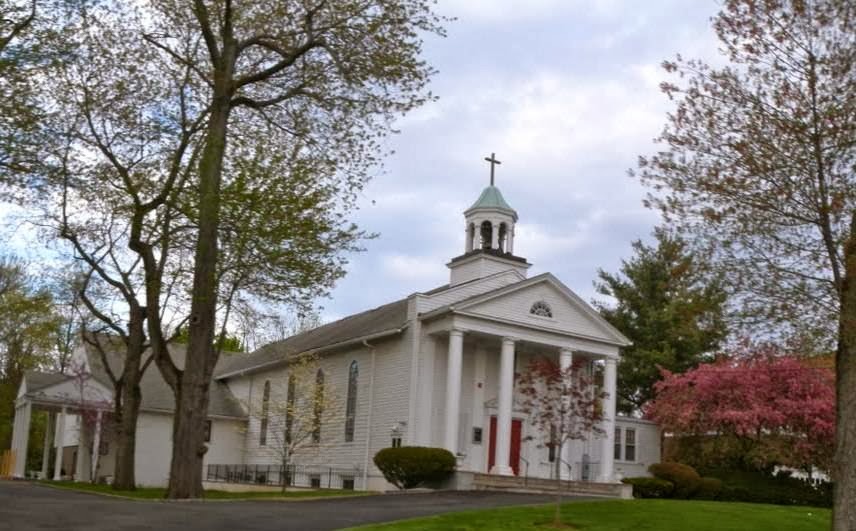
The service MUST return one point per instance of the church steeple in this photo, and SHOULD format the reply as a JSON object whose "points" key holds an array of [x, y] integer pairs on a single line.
{"points": [[489, 242]]}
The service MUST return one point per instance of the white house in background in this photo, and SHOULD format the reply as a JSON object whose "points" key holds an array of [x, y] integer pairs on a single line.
{"points": [[435, 368]]}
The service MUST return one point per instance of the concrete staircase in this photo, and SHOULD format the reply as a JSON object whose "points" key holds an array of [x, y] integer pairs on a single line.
{"points": [[492, 482]]}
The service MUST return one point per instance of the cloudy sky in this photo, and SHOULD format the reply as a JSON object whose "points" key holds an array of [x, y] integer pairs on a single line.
{"points": [[566, 93]]}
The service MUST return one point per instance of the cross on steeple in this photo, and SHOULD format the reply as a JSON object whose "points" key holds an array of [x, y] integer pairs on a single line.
{"points": [[493, 163]]}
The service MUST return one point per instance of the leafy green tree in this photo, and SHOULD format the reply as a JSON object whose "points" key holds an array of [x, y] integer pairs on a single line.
{"points": [[758, 160], [203, 151], [28, 325], [670, 306], [331, 76]]}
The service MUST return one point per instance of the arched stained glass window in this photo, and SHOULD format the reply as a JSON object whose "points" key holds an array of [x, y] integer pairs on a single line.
{"points": [[318, 407], [541, 308], [289, 408], [264, 423], [351, 403]]}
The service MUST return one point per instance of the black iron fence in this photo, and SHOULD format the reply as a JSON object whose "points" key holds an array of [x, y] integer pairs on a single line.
{"points": [[318, 477]]}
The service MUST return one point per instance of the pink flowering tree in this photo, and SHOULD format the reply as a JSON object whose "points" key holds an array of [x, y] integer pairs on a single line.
{"points": [[757, 404], [563, 404]]}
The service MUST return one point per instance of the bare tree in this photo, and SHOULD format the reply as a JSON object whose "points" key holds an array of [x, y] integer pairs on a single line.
{"points": [[564, 405], [292, 412]]}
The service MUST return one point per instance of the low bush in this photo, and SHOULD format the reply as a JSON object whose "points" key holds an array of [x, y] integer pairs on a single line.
{"points": [[408, 467], [684, 477], [709, 489], [645, 487]]}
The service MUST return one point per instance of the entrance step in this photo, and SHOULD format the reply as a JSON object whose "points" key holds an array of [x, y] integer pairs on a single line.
{"points": [[491, 482]]}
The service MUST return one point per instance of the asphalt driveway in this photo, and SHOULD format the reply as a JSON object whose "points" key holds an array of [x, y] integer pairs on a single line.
{"points": [[26, 506]]}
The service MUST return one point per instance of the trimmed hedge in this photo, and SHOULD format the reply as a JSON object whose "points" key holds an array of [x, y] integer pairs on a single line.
{"points": [[408, 467], [759, 487], [684, 477], [709, 489], [645, 487], [750, 486]]}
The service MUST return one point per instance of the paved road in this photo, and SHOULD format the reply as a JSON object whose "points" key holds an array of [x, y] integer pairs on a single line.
{"points": [[26, 506]]}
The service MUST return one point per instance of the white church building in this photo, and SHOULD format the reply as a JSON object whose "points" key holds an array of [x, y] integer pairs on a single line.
{"points": [[436, 368]]}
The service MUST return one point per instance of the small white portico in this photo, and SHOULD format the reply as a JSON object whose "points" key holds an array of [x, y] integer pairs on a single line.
{"points": [[66, 399]]}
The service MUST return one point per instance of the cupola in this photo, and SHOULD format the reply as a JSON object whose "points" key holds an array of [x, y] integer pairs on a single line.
{"points": [[489, 242]]}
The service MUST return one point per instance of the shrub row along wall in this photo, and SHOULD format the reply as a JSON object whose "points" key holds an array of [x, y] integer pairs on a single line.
{"points": [[675, 480]]}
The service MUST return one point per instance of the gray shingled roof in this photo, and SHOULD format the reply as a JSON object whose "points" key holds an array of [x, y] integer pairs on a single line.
{"points": [[156, 394], [39, 380], [387, 318]]}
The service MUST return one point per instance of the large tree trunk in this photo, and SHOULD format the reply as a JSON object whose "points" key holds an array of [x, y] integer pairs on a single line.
{"points": [[127, 401], [189, 447], [844, 467], [124, 475]]}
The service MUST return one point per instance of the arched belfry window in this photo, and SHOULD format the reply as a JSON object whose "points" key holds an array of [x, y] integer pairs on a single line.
{"points": [[486, 234], [542, 309], [503, 237], [351, 403], [263, 429], [318, 409]]}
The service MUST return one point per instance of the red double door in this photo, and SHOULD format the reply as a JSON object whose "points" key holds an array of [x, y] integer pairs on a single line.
{"points": [[514, 451]]}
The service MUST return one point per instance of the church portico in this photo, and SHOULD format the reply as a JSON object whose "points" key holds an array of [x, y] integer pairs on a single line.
{"points": [[478, 414]]}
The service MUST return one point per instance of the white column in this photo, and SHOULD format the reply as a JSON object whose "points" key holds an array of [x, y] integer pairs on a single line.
{"points": [[81, 467], [453, 389], [494, 235], [21, 437], [606, 457], [504, 404], [510, 238], [59, 439], [565, 361], [96, 446], [46, 450]]}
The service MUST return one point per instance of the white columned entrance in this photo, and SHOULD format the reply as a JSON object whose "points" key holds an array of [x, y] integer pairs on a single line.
{"points": [[504, 404], [59, 439], [608, 442], [565, 361], [453, 388]]}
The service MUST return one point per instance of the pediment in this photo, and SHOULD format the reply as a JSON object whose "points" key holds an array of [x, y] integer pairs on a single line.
{"points": [[74, 391], [558, 309]]}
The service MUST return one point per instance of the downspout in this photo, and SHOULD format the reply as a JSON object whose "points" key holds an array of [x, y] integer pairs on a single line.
{"points": [[369, 418]]}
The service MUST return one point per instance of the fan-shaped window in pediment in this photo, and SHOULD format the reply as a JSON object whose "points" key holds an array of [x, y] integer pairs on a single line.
{"points": [[541, 309]]}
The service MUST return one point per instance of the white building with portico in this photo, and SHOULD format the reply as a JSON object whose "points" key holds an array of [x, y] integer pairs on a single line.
{"points": [[436, 368]]}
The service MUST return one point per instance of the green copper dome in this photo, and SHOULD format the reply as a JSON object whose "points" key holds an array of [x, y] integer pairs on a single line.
{"points": [[491, 197]]}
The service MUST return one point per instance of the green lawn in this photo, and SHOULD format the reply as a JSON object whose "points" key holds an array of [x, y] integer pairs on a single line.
{"points": [[159, 493], [628, 515]]}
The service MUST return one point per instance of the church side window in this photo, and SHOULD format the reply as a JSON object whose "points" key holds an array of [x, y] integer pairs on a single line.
{"points": [[351, 403], [629, 444], [318, 410], [542, 309], [289, 409], [264, 423]]}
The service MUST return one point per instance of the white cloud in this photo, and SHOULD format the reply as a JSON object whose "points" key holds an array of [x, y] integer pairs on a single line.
{"points": [[425, 269], [517, 10]]}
